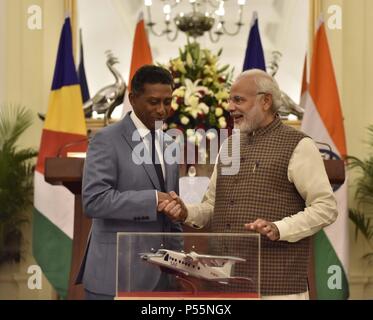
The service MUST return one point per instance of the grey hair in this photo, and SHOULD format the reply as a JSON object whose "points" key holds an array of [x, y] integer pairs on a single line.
{"points": [[266, 83]]}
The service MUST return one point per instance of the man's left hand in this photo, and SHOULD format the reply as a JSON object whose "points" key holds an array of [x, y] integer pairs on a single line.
{"points": [[265, 228]]}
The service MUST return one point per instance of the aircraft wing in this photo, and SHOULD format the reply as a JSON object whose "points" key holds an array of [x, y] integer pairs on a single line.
{"points": [[233, 280], [146, 255], [217, 261]]}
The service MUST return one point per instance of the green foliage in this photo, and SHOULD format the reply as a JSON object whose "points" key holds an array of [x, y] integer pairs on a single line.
{"points": [[362, 223], [16, 174], [363, 195]]}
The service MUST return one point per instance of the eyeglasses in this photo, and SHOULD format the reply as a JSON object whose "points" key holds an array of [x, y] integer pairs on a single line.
{"points": [[238, 100]]}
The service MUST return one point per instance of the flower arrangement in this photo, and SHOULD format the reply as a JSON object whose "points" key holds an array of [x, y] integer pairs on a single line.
{"points": [[200, 98]]}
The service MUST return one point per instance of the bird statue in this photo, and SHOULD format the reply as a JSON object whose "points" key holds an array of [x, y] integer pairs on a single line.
{"points": [[109, 97], [288, 106]]}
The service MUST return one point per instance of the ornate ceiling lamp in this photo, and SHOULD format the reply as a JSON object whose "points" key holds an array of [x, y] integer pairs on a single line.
{"points": [[205, 16]]}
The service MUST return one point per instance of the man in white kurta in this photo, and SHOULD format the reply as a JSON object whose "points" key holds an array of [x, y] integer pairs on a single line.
{"points": [[254, 101]]}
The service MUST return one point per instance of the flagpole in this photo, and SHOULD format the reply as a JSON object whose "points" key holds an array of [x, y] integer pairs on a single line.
{"points": [[71, 12], [254, 18], [314, 15]]}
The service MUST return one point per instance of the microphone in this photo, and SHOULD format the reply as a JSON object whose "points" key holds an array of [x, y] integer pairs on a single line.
{"points": [[328, 153], [72, 144]]}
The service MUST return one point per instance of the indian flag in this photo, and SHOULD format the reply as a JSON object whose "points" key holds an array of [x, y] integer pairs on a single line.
{"points": [[64, 128], [141, 55], [323, 121]]}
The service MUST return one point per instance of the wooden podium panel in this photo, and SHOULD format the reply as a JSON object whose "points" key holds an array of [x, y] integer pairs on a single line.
{"points": [[69, 172]]}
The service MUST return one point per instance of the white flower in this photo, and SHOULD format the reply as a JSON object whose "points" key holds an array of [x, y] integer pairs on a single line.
{"points": [[190, 132], [193, 101], [179, 65], [225, 105], [193, 89], [193, 108], [179, 92], [219, 112], [222, 95], [222, 122], [204, 107], [208, 70], [208, 80], [197, 108], [184, 120], [174, 105]]}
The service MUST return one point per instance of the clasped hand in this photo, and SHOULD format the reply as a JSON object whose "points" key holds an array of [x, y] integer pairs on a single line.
{"points": [[172, 206]]}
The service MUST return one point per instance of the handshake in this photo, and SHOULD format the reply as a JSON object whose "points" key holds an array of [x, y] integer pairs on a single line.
{"points": [[172, 206]]}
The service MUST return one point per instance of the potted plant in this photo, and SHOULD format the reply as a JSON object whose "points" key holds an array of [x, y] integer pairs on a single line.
{"points": [[364, 197], [16, 180]]}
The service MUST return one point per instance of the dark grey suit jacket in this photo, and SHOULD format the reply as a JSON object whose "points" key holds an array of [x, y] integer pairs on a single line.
{"points": [[119, 195]]}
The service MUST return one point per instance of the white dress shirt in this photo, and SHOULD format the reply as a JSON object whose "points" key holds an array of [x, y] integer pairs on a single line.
{"points": [[143, 132]]}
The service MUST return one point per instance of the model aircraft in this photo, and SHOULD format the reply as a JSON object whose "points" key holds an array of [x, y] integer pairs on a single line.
{"points": [[207, 267]]}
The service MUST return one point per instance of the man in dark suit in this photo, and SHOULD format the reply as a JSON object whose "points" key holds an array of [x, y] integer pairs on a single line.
{"points": [[121, 191]]}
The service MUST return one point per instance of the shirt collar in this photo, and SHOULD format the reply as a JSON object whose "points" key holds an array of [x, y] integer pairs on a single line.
{"points": [[141, 128], [269, 127]]}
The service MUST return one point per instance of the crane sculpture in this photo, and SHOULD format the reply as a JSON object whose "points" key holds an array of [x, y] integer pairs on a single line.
{"points": [[288, 106], [107, 98]]}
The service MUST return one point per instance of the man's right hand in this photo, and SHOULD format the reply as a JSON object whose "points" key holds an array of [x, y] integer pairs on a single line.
{"points": [[162, 196], [175, 208]]}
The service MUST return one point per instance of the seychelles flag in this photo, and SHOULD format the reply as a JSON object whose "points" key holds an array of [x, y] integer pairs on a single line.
{"points": [[254, 56], [64, 126]]}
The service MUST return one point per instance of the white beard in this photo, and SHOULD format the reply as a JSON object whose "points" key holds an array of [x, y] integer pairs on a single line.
{"points": [[251, 120]]}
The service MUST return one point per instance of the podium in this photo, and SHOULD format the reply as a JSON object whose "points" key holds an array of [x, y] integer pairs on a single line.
{"points": [[69, 172]]}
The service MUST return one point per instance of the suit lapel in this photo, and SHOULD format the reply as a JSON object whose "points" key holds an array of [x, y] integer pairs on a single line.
{"points": [[128, 130]]}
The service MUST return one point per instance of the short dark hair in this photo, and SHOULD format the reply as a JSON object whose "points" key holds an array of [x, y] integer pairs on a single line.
{"points": [[150, 74]]}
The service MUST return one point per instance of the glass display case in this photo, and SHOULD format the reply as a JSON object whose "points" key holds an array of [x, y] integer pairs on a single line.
{"points": [[188, 266]]}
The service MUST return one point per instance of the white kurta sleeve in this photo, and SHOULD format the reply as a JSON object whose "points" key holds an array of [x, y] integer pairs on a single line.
{"points": [[307, 171], [199, 215]]}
